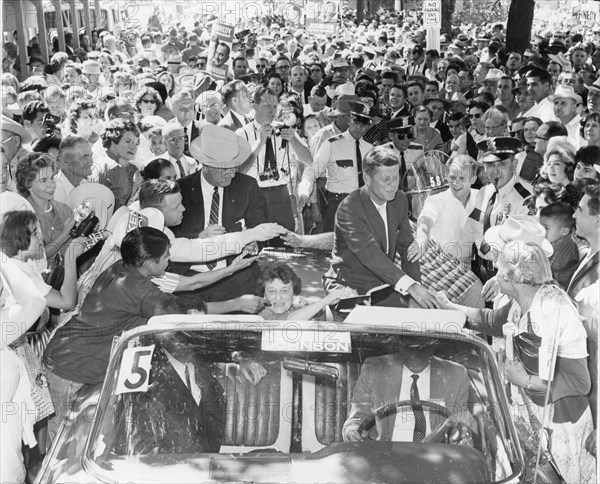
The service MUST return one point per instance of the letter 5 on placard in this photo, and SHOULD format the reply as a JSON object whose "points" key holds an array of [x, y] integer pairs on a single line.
{"points": [[135, 370]]}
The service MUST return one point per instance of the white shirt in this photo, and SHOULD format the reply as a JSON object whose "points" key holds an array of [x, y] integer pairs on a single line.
{"points": [[336, 159], [63, 187], [405, 281], [404, 426], [286, 159], [543, 110], [179, 367], [448, 216], [207, 196]]}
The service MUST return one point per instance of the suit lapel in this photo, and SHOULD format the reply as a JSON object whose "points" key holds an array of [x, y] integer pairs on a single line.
{"points": [[373, 215]]}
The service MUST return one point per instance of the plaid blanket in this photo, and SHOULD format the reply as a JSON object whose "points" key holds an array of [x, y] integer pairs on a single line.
{"points": [[443, 272]]}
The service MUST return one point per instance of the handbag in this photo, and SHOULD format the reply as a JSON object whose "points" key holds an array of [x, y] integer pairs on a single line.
{"points": [[527, 349]]}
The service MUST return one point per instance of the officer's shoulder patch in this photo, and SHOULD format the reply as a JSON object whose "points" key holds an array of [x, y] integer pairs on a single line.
{"points": [[521, 190], [335, 137]]}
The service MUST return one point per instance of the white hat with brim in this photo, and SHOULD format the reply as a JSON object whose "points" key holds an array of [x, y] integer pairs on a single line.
{"points": [[8, 124], [594, 87], [522, 228], [565, 92], [100, 197], [219, 147]]}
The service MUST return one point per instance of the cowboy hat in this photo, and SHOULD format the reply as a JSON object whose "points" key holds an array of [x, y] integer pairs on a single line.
{"points": [[100, 197], [523, 228], [15, 128], [219, 147]]}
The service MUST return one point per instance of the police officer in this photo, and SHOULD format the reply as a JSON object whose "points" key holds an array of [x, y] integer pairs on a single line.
{"points": [[340, 160], [401, 134], [502, 197]]}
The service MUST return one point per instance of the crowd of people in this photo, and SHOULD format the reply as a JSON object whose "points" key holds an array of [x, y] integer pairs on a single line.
{"points": [[308, 142]]}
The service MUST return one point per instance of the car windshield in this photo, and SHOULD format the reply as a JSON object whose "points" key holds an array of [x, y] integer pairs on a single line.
{"points": [[276, 402]]}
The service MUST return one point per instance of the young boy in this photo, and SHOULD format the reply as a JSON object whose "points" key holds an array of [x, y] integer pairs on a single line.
{"points": [[557, 219]]}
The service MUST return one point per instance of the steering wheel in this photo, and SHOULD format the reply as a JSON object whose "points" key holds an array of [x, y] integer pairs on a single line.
{"points": [[437, 434]]}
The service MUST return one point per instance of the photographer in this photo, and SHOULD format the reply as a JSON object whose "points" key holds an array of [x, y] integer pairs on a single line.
{"points": [[276, 155]]}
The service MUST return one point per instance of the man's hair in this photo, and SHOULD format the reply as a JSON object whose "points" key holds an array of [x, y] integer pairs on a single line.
{"points": [[415, 84], [541, 74], [402, 87], [588, 155], [239, 58], [231, 90], [380, 156], [561, 212], [593, 191], [390, 75], [262, 91], [154, 191], [32, 109], [318, 91], [143, 244], [67, 145], [46, 143], [181, 96], [433, 83]]}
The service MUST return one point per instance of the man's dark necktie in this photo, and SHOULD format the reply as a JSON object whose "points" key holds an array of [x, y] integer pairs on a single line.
{"points": [[420, 423], [270, 160], [181, 170], [214, 217], [487, 217], [359, 163], [403, 172], [186, 148]]}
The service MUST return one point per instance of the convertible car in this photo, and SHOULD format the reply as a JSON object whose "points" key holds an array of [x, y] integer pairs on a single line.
{"points": [[194, 398]]}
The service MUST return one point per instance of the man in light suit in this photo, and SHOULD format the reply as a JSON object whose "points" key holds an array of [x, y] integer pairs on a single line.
{"points": [[411, 374], [372, 230]]}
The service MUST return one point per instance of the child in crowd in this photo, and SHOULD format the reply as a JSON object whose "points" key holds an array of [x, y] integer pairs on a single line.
{"points": [[157, 145], [557, 219]]}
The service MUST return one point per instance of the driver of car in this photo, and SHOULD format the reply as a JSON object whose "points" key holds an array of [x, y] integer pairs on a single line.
{"points": [[410, 374]]}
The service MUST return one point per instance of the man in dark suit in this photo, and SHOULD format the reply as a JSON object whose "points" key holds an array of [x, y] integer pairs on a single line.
{"points": [[372, 230], [411, 374], [239, 102], [219, 199]]}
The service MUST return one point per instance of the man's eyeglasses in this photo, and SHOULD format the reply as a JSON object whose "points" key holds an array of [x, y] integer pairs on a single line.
{"points": [[475, 115], [176, 139], [148, 101], [541, 138], [260, 66], [284, 68], [404, 135]]}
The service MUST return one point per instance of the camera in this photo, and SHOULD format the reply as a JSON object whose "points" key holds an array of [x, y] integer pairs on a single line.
{"points": [[269, 175], [85, 221], [50, 123]]}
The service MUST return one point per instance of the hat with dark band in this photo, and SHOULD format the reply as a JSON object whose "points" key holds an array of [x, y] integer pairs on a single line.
{"points": [[499, 148], [360, 109], [400, 124]]}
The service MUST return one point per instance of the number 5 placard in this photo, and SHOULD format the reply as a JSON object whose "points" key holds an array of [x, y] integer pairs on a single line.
{"points": [[135, 370]]}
